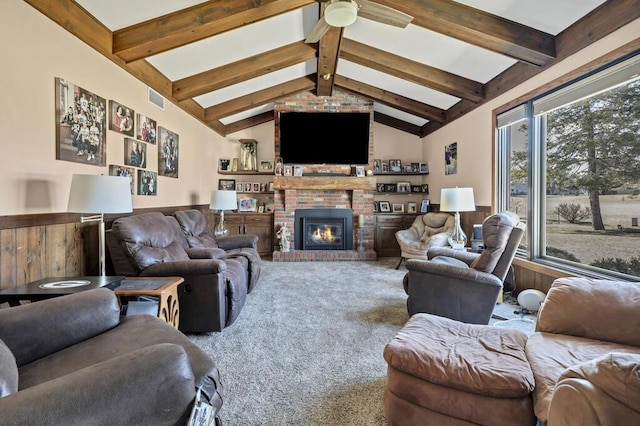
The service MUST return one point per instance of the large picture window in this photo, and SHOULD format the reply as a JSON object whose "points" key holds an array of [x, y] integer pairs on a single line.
{"points": [[569, 165]]}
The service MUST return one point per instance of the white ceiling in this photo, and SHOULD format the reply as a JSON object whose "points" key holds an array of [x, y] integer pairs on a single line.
{"points": [[414, 43]]}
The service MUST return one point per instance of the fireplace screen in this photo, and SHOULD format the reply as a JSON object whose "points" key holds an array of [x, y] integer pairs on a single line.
{"points": [[323, 234]]}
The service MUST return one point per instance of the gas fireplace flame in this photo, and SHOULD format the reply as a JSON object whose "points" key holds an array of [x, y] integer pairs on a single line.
{"points": [[323, 234]]}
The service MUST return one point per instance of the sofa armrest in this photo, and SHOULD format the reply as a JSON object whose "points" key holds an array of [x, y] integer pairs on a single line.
{"points": [[153, 385], [205, 253], [237, 241], [185, 267], [463, 255], [36, 330]]}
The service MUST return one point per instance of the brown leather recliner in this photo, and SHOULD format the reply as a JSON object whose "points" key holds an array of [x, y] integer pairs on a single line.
{"points": [[461, 285], [72, 360], [196, 229], [214, 288]]}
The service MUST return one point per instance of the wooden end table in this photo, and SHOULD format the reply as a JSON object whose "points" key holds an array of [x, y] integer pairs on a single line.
{"points": [[164, 288]]}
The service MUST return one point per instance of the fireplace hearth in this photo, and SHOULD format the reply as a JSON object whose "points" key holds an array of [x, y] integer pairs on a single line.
{"points": [[323, 229]]}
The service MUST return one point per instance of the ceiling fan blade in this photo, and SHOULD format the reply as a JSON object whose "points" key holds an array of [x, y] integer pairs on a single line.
{"points": [[318, 30], [384, 14]]}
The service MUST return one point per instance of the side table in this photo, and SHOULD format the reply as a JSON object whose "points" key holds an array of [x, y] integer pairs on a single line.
{"points": [[164, 288], [47, 288]]}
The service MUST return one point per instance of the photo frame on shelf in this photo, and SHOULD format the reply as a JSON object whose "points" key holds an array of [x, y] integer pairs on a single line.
{"points": [[425, 188], [412, 207], [224, 165], [360, 171], [424, 168], [247, 186], [248, 154], [260, 209], [407, 168], [227, 184], [234, 165], [255, 187], [239, 186], [288, 170], [380, 187], [385, 167], [385, 207], [376, 206], [266, 166], [424, 206], [390, 187], [403, 187], [247, 205], [270, 187], [398, 208], [297, 170], [395, 166], [415, 167], [377, 166], [416, 188]]}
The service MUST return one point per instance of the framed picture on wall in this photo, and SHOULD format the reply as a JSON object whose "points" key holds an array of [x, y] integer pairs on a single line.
{"points": [[147, 182], [168, 154], [121, 118], [385, 207], [146, 129], [129, 172], [135, 153], [80, 129]]}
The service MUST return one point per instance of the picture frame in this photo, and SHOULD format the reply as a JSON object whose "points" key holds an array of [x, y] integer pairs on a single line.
{"points": [[407, 168], [412, 207], [146, 129], [377, 166], [424, 168], [121, 118], [260, 209], [288, 170], [247, 205], [270, 187], [239, 186], [395, 166], [130, 172], [415, 167], [248, 154], [168, 152], [81, 136], [147, 182], [255, 187], [385, 207], [297, 170], [403, 187], [424, 206], [385, 167], [424, 188], [135, 153], [266, 166], [360, 171], [269, 207], [248, 186], [376, 206], [224, 165], [416, 188], [380, 187], [390, 187], [227, 184], [234, 165], [398, 208]]}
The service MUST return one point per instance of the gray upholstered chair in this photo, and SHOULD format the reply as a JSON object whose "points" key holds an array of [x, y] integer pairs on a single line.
{"points": [[426, 231], [462, 285]]}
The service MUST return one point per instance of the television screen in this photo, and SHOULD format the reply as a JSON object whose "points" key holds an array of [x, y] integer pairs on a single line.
{"points": [[324, 137]]}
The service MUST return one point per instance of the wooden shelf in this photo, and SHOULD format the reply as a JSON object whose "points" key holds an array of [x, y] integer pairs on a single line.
{"points": [[401, 174], [367, 183], [246, 172]]}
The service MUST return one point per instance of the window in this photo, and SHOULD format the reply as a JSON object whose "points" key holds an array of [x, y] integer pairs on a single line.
{"points": [[568, 163]]}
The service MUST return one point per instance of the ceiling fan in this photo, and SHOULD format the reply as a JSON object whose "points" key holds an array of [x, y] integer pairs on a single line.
{"points": [[342, 13]]}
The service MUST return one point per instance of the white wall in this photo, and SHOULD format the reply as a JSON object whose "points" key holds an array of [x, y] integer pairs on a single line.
{"points": [[473, 132]]}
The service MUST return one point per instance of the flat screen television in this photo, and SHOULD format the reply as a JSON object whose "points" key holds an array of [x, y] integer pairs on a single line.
{"points": [[324, 137]]}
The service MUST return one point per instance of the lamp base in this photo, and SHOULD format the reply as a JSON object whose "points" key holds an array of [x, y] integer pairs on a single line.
{"points": [[457, 238], [220, 230]]}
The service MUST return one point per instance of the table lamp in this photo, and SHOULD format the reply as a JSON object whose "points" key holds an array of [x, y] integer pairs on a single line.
{"points": [[457, 200], [99, 194], [222, 200]]}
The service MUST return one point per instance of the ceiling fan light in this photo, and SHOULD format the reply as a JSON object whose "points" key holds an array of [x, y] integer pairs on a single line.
{"points": [[341, 13]]}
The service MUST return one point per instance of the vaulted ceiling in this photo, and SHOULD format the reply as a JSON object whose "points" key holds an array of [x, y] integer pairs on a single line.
{"points": [[226, 61]]}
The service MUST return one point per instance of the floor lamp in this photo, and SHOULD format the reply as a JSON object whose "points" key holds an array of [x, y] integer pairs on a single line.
{"points": [[99, 194], [222, 200], [457, 200]]}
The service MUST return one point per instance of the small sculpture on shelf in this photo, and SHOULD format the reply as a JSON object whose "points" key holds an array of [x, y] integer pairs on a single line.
{"points": [[283, 236]]}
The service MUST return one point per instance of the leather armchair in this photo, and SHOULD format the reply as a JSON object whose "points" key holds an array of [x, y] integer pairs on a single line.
{"points": [[214, 288], [429, 230], [461, 285], [196, 229], [71, 360]]}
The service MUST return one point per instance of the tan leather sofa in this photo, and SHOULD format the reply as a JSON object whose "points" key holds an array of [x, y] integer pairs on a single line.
{"points": [[581, 323]]}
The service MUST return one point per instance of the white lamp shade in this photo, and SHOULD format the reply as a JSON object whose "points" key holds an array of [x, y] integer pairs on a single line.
{"points": [[457, 200], [100, 194], [341, 13], [223, 200]]}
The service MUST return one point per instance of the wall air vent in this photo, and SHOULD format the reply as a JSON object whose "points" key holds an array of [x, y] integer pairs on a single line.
{"points": [[155, 98]]}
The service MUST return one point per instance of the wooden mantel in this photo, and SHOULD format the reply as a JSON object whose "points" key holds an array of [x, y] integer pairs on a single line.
{"points": [[367, 183]]}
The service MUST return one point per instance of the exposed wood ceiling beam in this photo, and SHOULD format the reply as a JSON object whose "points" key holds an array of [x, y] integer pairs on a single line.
{"points": [[480, 28], [396, 124], [244, 69], [412, 71], [193, 24], [328, 51], [247, 123], [402, 103], [259, 98]]}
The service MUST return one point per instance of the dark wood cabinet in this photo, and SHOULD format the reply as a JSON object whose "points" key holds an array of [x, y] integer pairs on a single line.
{"points": [[387, 225], [260, 224]]}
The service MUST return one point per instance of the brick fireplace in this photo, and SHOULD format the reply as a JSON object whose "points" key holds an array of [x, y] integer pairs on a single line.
{"points": [[326, 186]]}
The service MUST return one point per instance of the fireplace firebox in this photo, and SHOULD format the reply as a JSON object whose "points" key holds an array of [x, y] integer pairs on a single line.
{"points": [[323, 229]]}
